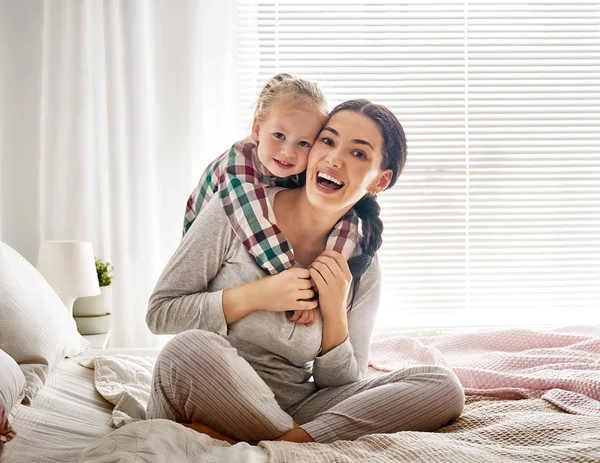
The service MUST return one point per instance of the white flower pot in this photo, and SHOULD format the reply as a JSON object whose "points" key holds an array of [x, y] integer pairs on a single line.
{"points": [[94, 325], [94, 306]]}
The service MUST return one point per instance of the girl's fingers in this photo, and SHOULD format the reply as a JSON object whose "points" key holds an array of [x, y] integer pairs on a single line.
{"points": [[304, 317], [307, 317]]}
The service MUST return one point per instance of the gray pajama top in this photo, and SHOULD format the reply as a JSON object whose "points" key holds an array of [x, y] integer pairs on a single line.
{"points": [[210, 259]]}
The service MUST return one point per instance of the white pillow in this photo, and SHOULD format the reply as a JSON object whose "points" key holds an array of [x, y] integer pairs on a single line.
{"points": [[12, 381], [36, 329]]}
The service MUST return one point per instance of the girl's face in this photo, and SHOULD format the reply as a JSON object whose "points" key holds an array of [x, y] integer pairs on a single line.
{"points": [[345, 162], [285, 138]]}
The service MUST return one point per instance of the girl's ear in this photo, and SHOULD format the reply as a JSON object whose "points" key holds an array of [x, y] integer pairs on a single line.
{"points": [[255, 130]]}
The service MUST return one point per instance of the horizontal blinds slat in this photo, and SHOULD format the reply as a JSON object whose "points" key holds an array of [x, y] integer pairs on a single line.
{"points": [[498, 210]]}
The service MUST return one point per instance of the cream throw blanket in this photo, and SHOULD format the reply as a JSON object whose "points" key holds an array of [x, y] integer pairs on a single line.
{"points": [[515, 363]]}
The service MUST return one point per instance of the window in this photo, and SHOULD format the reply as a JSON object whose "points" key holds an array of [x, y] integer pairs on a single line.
{"points": [[496, 218]]}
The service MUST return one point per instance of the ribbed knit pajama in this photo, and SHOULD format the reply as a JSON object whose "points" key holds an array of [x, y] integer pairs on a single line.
{"points": [[250, 378], [199, 377]]}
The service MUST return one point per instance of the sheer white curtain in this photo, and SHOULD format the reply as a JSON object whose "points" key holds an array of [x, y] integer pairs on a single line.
{"points": [[110, 112]]}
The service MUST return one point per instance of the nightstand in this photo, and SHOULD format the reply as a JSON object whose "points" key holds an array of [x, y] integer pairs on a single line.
{"points": [[98, 341]]}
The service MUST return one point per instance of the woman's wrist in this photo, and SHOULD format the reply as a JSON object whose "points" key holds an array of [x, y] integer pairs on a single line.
{"points": [[334, 315], [335, 332]]}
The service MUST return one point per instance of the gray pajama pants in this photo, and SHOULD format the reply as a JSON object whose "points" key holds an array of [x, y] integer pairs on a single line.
{"points": [[200, 378]]}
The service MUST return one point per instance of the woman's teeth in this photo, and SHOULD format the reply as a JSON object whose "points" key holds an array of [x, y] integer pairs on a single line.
{"points": [[331, 179]]}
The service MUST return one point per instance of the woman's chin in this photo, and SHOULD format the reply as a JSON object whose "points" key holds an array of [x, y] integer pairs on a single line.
{"points": [[326, 191], [325, 198]]}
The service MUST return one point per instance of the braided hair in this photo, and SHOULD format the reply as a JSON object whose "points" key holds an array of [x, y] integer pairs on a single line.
{"points": [[367, 208]]}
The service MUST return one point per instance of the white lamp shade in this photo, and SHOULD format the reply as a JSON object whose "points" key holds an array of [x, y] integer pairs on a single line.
{"points": [[69, 267]]}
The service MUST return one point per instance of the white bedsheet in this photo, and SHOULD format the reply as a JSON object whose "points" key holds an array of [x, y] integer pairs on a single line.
{"points": [[124, 380], [66, 416], [69, 415], [167, 441]]}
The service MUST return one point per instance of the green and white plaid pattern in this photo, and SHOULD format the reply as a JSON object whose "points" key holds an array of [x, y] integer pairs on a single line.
{"points": [[240, 180]]}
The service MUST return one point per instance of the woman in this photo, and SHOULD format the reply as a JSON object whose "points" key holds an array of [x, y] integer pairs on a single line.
{"points": [[242, 372]]}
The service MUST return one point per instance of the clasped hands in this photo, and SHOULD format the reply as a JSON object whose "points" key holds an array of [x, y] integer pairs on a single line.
{"points": [[328, 278]]}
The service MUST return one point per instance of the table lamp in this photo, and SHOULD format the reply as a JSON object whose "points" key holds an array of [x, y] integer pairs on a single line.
{"points": [[69, 268]]}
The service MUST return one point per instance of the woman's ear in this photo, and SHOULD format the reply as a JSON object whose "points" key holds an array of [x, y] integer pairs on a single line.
{"points": [[255, 130], [384, 180]]}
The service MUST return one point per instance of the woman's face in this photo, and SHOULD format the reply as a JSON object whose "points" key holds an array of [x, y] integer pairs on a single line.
{"points": [[345, 162]]}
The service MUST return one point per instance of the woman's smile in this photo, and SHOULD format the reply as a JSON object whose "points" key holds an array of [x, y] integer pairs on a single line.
{"points": [[328, 181]]}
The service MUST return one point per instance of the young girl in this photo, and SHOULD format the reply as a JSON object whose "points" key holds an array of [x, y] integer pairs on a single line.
{"points": [[289, 115]]}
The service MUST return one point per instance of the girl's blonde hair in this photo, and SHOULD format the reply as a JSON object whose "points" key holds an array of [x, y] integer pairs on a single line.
{"points": [[302, 91]]}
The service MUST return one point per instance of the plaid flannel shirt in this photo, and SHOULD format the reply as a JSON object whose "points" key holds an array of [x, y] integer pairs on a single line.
{"points": [[240, 180]]}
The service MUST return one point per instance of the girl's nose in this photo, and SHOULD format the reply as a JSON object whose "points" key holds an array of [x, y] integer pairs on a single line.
{"points": [[287, 150]]}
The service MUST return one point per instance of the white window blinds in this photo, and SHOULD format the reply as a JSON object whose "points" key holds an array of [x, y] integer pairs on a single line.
{"points": [[496, 218]]}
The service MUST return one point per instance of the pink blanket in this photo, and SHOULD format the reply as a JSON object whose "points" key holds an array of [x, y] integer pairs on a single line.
{"points": [[561, 366]]}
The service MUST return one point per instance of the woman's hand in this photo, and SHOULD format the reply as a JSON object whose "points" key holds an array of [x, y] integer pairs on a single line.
{"points": [[288, 290], [332, 276]]}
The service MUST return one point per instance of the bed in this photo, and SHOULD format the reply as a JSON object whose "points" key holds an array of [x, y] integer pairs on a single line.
{"points": [[532, 395], [69, 421]]}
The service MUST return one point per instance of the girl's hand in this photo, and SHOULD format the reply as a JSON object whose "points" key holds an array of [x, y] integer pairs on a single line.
{"points": [[306, 317], [332, 276], [288, 290]]}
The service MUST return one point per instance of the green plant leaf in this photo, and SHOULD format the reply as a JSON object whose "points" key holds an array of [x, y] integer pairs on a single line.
{"points": [[104, 271]]}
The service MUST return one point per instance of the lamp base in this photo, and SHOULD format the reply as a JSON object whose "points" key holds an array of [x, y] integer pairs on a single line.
{"points": [[68, 302]]}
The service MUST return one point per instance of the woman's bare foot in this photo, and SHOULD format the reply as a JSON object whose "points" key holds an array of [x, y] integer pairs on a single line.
{"points": [[297, 434], [209, 431]]}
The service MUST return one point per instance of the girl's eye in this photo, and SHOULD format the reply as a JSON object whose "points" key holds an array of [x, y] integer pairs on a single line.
{"points": [[279, 135], [304, 144], [359, 154], [327, 141]]}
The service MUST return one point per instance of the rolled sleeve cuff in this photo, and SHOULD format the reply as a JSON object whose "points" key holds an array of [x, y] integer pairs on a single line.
{"points": [[214, 317], [337, 367]]}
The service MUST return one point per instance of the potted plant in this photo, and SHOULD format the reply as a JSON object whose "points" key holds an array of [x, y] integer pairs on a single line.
{"points": [[92, 314]]}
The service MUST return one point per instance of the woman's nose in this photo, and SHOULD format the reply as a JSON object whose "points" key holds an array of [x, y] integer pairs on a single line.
{"points": [[334, 158]]}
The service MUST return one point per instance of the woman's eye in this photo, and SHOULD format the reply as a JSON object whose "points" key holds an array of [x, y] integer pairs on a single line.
{"points": [[279, 135], [327, 140], [304, 144], [359, 154]]}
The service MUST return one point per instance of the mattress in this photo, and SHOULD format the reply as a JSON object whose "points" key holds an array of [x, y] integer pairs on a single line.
{"points": [[67, 415]]}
